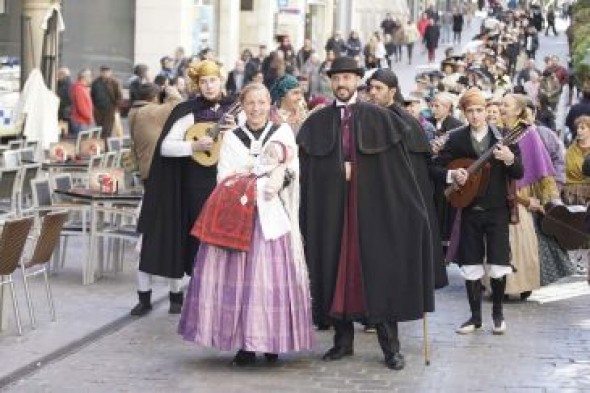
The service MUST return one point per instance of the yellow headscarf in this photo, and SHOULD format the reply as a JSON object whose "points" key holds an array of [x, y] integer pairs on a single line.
{"points": [[204, 68]]}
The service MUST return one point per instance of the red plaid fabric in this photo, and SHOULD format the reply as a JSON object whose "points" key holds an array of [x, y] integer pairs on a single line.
{"points": [[227, 218]]}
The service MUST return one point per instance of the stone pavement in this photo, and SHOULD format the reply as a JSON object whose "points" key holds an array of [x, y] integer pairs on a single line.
{"points": [[546, 349], [95, 347]]}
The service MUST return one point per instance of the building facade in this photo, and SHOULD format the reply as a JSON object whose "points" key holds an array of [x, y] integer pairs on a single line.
{"points": [[122, 33]]}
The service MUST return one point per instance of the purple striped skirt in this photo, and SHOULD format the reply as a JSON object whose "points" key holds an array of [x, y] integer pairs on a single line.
{"points": [[252, 301]]}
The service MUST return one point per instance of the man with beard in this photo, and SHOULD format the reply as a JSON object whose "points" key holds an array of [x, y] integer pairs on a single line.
{"points": [[383, 88], [361, 206], [177, 187]]}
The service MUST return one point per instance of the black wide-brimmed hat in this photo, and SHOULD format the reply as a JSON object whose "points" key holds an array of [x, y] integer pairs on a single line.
{"points": [[345, 64]]}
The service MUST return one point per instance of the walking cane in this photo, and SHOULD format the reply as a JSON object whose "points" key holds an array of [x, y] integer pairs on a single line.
{"points": [[426, 351]]}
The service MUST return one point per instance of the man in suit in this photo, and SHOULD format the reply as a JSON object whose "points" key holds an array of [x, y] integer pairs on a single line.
{"points": [[442, 111], [484, 223], [236, 79]]}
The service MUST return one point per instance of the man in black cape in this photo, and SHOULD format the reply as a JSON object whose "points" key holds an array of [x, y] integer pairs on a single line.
{"points": [[383, 90], [367, 235], [176, 189]]}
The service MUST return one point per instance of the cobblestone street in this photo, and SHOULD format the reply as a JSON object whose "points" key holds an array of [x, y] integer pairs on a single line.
{"points": [[546, 349]]}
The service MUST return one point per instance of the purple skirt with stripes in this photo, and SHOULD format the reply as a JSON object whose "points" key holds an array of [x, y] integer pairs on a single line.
{"points": [[252, 301]]}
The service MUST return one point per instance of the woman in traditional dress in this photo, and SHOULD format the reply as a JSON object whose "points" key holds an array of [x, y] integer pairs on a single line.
{"points": [[259, 300], [577, 186], [554, 260], [493, 113], [289, 104], [534, 190]]}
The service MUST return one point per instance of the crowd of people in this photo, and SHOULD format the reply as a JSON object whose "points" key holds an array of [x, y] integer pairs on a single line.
{"points": [[302, 221]]}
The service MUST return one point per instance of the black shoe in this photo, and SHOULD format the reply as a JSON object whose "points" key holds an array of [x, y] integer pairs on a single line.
{"points": [[322, 327], [395, 361], [144, 306], [176, 300], [244, 358], [499, 327], [140, 309], [271, 357], [525, 295], [469, 327], [337, 353]]}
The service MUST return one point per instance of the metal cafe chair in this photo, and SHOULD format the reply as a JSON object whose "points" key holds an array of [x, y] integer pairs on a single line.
{"points": [[11, 158], [25, 194], [9, 189], [95, 132], [82, 135], [114, 143], [16, 144], [43, 203], [12, 243], [45, 245]]}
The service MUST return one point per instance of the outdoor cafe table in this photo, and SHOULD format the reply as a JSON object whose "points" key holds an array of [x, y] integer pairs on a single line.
{"points": [[60, 166], [95, 199]]}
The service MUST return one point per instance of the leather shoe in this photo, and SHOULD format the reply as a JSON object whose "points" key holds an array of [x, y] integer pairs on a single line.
{"points": [[395, 361], [337, 353], [244, 358], [271, 357]]}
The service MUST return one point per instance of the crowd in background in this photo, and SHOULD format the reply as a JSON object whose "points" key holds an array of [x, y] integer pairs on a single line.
{"points": [[500, 59]]}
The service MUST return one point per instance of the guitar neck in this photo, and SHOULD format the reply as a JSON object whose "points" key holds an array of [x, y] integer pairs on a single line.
{"points": [[481, 161], [214, 131]]}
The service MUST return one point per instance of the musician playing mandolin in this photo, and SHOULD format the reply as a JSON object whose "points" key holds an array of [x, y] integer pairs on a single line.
{"points": [[483, 232], [178, 186]]}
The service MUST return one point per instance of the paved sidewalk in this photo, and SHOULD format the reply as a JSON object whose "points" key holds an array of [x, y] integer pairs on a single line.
{"points": [[546, 349], [81, 310]]}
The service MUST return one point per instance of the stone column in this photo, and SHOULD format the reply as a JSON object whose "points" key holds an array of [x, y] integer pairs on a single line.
{"points": [[229, 32], [154, 39], [32, 35]]}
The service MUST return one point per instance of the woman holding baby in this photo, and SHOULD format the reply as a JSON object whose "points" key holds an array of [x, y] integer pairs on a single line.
{"points": [[257, 300]]}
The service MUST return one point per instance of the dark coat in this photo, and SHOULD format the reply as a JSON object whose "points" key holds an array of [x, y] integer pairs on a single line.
{"points": [[175, 191], [394, 231], [457, 23], [420, 154], [449, 123], [431, 36], [231, 85]]}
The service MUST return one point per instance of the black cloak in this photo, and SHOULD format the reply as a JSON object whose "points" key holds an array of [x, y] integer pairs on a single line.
{"points": [[394, 233], [175, 191], [420, 154]]}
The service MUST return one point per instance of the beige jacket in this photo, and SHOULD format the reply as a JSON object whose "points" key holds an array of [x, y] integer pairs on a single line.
{"points": [[146, 121]]}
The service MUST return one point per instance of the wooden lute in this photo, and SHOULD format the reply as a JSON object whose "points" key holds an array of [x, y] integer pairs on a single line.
{"points": [[462, 196], [212, 130]]}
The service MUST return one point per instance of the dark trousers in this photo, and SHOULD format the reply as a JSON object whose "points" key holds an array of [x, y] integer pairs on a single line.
{"points": [[387, 334], [550, 26], [410, 48]]}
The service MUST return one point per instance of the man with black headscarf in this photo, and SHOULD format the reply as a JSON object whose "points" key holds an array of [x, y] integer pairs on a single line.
{"points": [[384, 91]]}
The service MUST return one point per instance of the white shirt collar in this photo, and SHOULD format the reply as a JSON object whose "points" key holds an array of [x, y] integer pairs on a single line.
{"points": [[479, 134]]}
